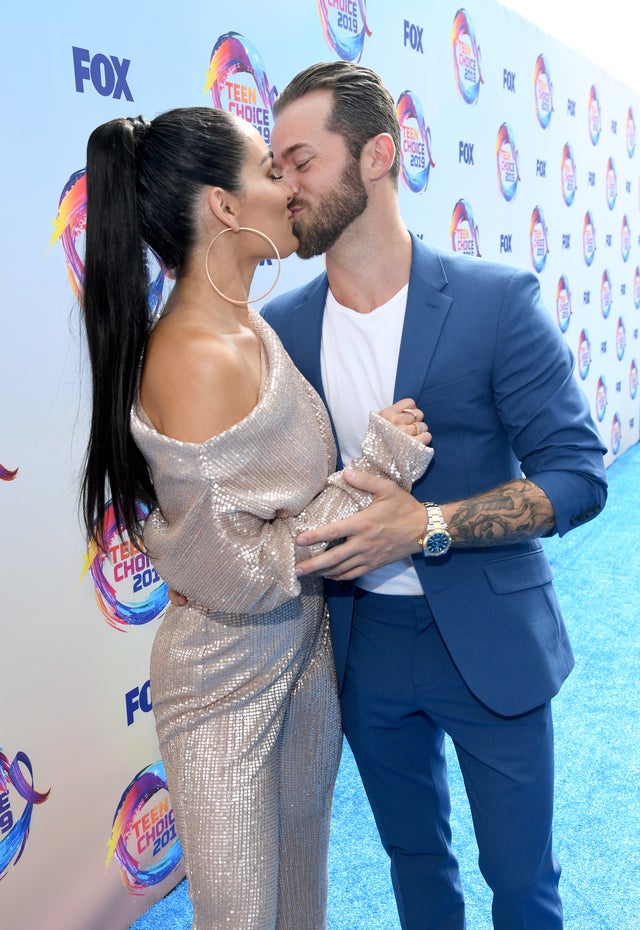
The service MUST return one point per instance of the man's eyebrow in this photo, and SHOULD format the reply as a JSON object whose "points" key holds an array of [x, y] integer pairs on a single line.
{"points": [[296, 148]]}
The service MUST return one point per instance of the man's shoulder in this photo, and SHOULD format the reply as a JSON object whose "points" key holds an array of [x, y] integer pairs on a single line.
{"points": [[280, 306], [470, 267]]}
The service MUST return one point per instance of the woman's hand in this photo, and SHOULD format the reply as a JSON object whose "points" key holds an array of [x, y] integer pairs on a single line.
{"points": [[407, 417], [178, 600]]}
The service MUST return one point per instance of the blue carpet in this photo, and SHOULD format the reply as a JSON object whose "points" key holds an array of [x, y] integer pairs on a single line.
{"points": [[597, 717]]}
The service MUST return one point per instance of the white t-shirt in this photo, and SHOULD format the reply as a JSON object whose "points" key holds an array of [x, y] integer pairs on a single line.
{"points": [[359, 359]]}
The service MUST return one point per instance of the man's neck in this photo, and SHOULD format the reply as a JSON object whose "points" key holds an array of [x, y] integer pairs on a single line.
{"points": [[369, 264]]}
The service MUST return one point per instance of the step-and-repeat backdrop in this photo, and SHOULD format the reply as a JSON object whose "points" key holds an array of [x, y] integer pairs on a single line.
{"points": [[513, 148]]}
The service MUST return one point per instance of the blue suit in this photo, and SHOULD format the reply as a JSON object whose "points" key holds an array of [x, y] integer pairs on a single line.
{"points": [[484, 361]]}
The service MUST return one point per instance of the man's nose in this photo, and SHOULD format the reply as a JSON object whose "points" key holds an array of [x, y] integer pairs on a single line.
{"points": [[288, 177]]}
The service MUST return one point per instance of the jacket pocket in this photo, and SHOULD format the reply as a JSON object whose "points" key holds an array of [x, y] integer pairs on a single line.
{"points": [[519, 572]]}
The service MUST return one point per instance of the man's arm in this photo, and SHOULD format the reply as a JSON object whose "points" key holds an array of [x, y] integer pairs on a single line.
{"points": [[389, 529]]}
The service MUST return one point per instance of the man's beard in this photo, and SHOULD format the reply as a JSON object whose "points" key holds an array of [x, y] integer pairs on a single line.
{"points": [[342, 206]]}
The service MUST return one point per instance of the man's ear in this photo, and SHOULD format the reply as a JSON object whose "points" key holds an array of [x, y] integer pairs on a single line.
{"points": [[223, 207], [378, 156]]}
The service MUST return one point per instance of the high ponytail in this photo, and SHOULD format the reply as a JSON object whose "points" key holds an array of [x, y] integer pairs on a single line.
{"points": [[143, 184], [117, 322]]}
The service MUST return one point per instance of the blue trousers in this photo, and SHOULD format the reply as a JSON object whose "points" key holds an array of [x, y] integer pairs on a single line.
{"points": [[401, 694]]}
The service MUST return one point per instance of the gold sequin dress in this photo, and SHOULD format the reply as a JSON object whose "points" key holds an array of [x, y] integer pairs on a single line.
{"points": [[242, 679]]}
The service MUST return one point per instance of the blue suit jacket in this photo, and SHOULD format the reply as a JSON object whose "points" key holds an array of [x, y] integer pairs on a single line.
{"points": [[484, 361]]}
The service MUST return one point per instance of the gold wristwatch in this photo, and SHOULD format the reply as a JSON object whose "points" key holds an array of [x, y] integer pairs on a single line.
{"points": [[436, 539]]}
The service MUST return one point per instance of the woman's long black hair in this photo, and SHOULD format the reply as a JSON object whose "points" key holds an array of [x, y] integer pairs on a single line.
{"points": [[143, 182]]}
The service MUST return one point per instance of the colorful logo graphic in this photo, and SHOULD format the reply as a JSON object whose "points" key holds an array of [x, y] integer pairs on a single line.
{"points": [[633, 379], [601, 399], [631, 133], [542, 89], [625, 238], [636, 289], [621, 339], [143, 839], [239, 84], [128, 589], [588, 238], [616, 433], [416, 160], [594, 115], [605, 294], [463, 230], [611, 184], [344, 26], [584, 354], [69, 226], [538, 239], [563, 304], [568, 175], [14, 829], [507, 162], [466, 58], [6, 474]]}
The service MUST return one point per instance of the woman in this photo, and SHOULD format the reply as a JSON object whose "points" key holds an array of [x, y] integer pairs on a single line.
{"points": [[232, 450]]}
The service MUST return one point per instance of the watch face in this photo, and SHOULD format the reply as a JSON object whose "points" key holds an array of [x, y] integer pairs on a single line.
{"points": [[437, 543]]}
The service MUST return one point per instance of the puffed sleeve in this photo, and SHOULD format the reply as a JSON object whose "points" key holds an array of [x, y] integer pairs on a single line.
{"points": [[387, 452], [231, 557]]}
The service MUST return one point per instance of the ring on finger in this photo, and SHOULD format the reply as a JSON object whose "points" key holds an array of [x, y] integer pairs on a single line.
{"points": [[412, 411]]}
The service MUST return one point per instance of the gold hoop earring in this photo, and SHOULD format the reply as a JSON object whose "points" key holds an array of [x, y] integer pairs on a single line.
{"points": [[257, 232]]}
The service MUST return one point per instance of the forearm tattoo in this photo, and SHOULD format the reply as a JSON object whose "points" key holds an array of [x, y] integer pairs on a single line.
{"points": [[515, 511]]}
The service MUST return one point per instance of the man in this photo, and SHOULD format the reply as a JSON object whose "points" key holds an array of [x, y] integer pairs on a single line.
{"points": [[452, 625]]}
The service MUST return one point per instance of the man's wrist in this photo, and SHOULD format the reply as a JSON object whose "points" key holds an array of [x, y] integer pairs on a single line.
{"points": [[436, 539]]}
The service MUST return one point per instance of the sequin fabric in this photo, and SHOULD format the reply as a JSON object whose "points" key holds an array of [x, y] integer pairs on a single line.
{"points": [[243, 682]]}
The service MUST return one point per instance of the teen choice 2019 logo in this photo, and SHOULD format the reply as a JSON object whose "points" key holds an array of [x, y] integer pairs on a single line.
{"points": [[416, 161], [633, 379], [466, 58], [538, 239], [636, 289], [7, 474], [463, 231], [621, 339], [563, 304], [128, 589], [568, 175], [507, 162], [143, 836], [69, 226], [611, 184], [594, 115], [588, 238], [344, 25], [584, 354], [17, 800], [625, 238], [239, 84], [631, 133], [601, 399], [616, 433], [542, 91], [605, 294]]}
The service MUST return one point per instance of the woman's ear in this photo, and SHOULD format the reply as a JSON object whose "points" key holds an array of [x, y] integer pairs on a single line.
{"points": [[223, 207], [378, 156]]}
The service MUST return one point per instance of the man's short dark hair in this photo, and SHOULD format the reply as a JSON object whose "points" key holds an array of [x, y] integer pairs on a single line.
{"points": [[362, 105]]}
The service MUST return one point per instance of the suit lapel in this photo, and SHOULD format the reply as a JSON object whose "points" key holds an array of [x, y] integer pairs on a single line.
{"points": [[307, 333], [426, 312]]}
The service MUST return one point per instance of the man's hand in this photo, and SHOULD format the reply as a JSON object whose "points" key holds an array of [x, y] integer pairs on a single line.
{"points": [[386, 531]]}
